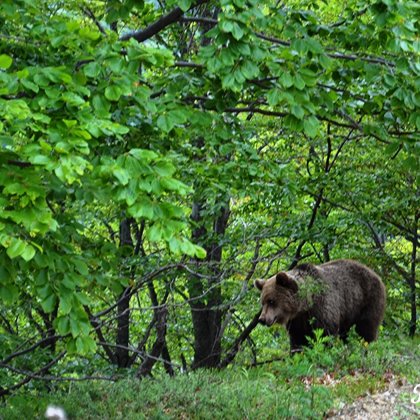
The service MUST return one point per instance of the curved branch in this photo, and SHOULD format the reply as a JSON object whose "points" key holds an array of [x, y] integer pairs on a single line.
{"points": [[166, 20]]}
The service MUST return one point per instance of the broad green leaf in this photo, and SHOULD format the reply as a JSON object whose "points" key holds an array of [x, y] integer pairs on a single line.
{"points": [[101, 105], [250, 70], [92, 69], [89, 33], [16, 248], [75, 327], [237, 31], [144, 208], [82, 298], [65, 305], [298, 111], [154, 233], [113, 93], [164, 168], [122, 175], [49, 303], [273, 97], [28, 253], [82, 268], [73, 99], [143, 154], [200, 252], [85, 345], [30, 85], [5, 61], [63, 325], [311, 126], [9, 293], [184, 5], [286, 80]]}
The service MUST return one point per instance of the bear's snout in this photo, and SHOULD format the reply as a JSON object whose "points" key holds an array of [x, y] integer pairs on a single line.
{"points": [[262, 320]]}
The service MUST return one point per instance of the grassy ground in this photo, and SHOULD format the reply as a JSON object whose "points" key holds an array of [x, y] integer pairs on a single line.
{"points": [[306, 386]]}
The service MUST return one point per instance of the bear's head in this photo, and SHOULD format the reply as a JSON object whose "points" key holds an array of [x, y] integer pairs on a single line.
{"points": [[279, 299]]}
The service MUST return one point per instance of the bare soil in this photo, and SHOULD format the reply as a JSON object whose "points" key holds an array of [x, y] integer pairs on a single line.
{"points": [[394, 403]]}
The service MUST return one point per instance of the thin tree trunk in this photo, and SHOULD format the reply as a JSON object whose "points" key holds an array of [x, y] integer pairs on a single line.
{"points": [[122, 355], [146, 367], [207, 298], [413, 320]]}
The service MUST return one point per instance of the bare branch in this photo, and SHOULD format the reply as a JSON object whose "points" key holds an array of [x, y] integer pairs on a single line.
{"points": [[29, 375], [88, 12], [166, 20], [242, 337]]}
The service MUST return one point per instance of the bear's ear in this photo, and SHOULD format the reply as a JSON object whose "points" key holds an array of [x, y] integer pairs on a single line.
{"points": [[259, 284], [283, 280]]}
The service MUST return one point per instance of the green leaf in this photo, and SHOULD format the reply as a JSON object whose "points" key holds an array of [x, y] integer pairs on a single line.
{"points": [[113, 93], [101, 106], [392, 148], [30, 85], [82, 298], [273, 97], [28, 253], [154, 233], [286, 80], [164, 168], [82, 268], [89, 33], [174, 185], [49, 303], [5, 61], [297, 111], [16, 248], [9, 293], [200, 252], [65, 305], [92, 69], [250, 70], [237, 31], [184, 5], [75, 327], [143, 154], [165, 123], [85, 345], [314, 46], [63, 325], [311, 126], [73, 99], [122, 175], [144, 208]]}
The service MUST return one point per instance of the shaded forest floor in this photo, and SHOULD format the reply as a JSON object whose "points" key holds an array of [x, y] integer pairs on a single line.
{"points": [[338, 381]]}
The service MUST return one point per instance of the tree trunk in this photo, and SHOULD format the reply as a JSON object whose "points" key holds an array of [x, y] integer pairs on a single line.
{"points": [[146, 367], [122, 355], [207, 298], [413, 320]]}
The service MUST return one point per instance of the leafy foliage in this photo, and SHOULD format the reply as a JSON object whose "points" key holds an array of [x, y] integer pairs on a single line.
{"points": [[146, 175]]}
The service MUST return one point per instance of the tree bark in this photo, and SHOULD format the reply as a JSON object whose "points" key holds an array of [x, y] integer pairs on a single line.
{"points": [[413, 319], [207, 298], [146, 367], [122, 355]]}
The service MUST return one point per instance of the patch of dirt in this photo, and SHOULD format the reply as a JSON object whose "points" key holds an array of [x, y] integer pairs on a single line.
{"points": [[394, 403]]}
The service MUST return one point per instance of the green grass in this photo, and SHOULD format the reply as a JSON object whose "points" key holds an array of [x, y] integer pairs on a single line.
{"points": [[305, 386]]}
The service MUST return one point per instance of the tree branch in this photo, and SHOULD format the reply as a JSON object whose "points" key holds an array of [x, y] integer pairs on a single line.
{"points": [[242, 337], [166, 20]]}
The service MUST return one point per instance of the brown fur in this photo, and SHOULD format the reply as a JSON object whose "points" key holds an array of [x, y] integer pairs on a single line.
{"points": [[333, 296]]}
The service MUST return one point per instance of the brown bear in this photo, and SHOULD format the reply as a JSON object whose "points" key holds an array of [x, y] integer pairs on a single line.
{"points": [[333, 296]]}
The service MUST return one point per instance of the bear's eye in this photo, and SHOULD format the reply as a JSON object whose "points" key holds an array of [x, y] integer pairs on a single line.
{"points": [[270, 302]]}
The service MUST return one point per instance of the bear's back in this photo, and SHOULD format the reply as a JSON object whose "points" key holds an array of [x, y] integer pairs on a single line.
{"points": [[349, 288]]}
